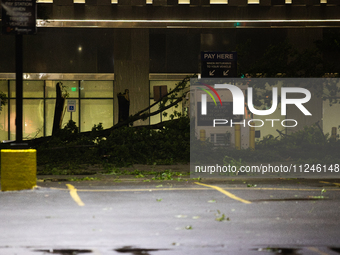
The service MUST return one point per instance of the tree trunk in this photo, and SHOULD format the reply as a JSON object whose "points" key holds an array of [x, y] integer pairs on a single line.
{"points": [[58, 111]]}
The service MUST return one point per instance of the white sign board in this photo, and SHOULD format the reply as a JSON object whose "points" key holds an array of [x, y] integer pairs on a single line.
{"points": [[71, 105]]}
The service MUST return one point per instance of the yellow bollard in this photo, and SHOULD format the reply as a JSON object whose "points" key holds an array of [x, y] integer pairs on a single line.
{"points": [[333, 133], [252, 137], [202, 135], [238, 137], [18, 169]]}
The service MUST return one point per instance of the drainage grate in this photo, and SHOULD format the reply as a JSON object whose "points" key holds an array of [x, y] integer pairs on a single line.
{"points": [[64, 251]]}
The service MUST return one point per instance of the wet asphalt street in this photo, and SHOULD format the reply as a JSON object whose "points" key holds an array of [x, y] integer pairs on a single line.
{"points": [[226, 216]]}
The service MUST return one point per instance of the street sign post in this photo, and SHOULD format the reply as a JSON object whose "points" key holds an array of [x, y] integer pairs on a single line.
{"points": [[71, 105], [19, 17], [218, 64]]}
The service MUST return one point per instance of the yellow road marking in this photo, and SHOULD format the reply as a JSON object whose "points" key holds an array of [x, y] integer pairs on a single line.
{"points": [[337, 184], [74, 195], [225, 193], [316, 250], [130, 190]]}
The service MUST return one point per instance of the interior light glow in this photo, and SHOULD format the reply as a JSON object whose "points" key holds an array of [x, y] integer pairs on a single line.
{"points": [[218, 1], [179, 21]]}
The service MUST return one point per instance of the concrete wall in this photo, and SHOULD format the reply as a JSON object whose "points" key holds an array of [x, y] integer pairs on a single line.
{"points": [[131, 56]]}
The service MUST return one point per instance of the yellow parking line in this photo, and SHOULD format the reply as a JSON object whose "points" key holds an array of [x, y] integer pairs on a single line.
{"points": [[131, 190], [225, 193], [337, 184], [74, 195], [316, 250]]}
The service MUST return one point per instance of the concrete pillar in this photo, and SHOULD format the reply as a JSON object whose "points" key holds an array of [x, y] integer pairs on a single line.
{"points": [[131, 68]]}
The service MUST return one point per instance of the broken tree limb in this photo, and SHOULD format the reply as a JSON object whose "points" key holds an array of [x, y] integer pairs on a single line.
{"points": [[143, 114], [58, 111]]}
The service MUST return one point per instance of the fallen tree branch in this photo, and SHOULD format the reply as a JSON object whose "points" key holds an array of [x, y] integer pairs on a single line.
{"points": [[138, 116], [282, 134], [323, 135], [159, 125]]}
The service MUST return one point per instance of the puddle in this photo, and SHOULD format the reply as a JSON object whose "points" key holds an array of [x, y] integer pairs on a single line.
{"points": [[287, 251], [335, 249], [64, 251], [137, 251]]}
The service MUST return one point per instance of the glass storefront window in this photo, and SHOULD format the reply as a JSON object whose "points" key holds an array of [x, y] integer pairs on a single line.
{"points": [[49, 115], [159, 117], [4, 113], [96, 89], [70, 115], [4, 123], [94, 112], [12, 119], [156, 118], [94, 105], [71, 88], [33, 118], [31, 89], [4, 87]]}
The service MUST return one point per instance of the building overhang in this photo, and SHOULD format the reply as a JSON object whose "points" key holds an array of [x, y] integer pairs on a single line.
{"points": [[298, 23]]}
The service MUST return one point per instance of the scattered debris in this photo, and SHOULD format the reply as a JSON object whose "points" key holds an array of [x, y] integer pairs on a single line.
{"points": [[222, 218]]}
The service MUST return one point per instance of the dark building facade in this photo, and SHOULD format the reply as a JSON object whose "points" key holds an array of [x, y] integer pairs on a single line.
{"points": [[98, 48]]}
